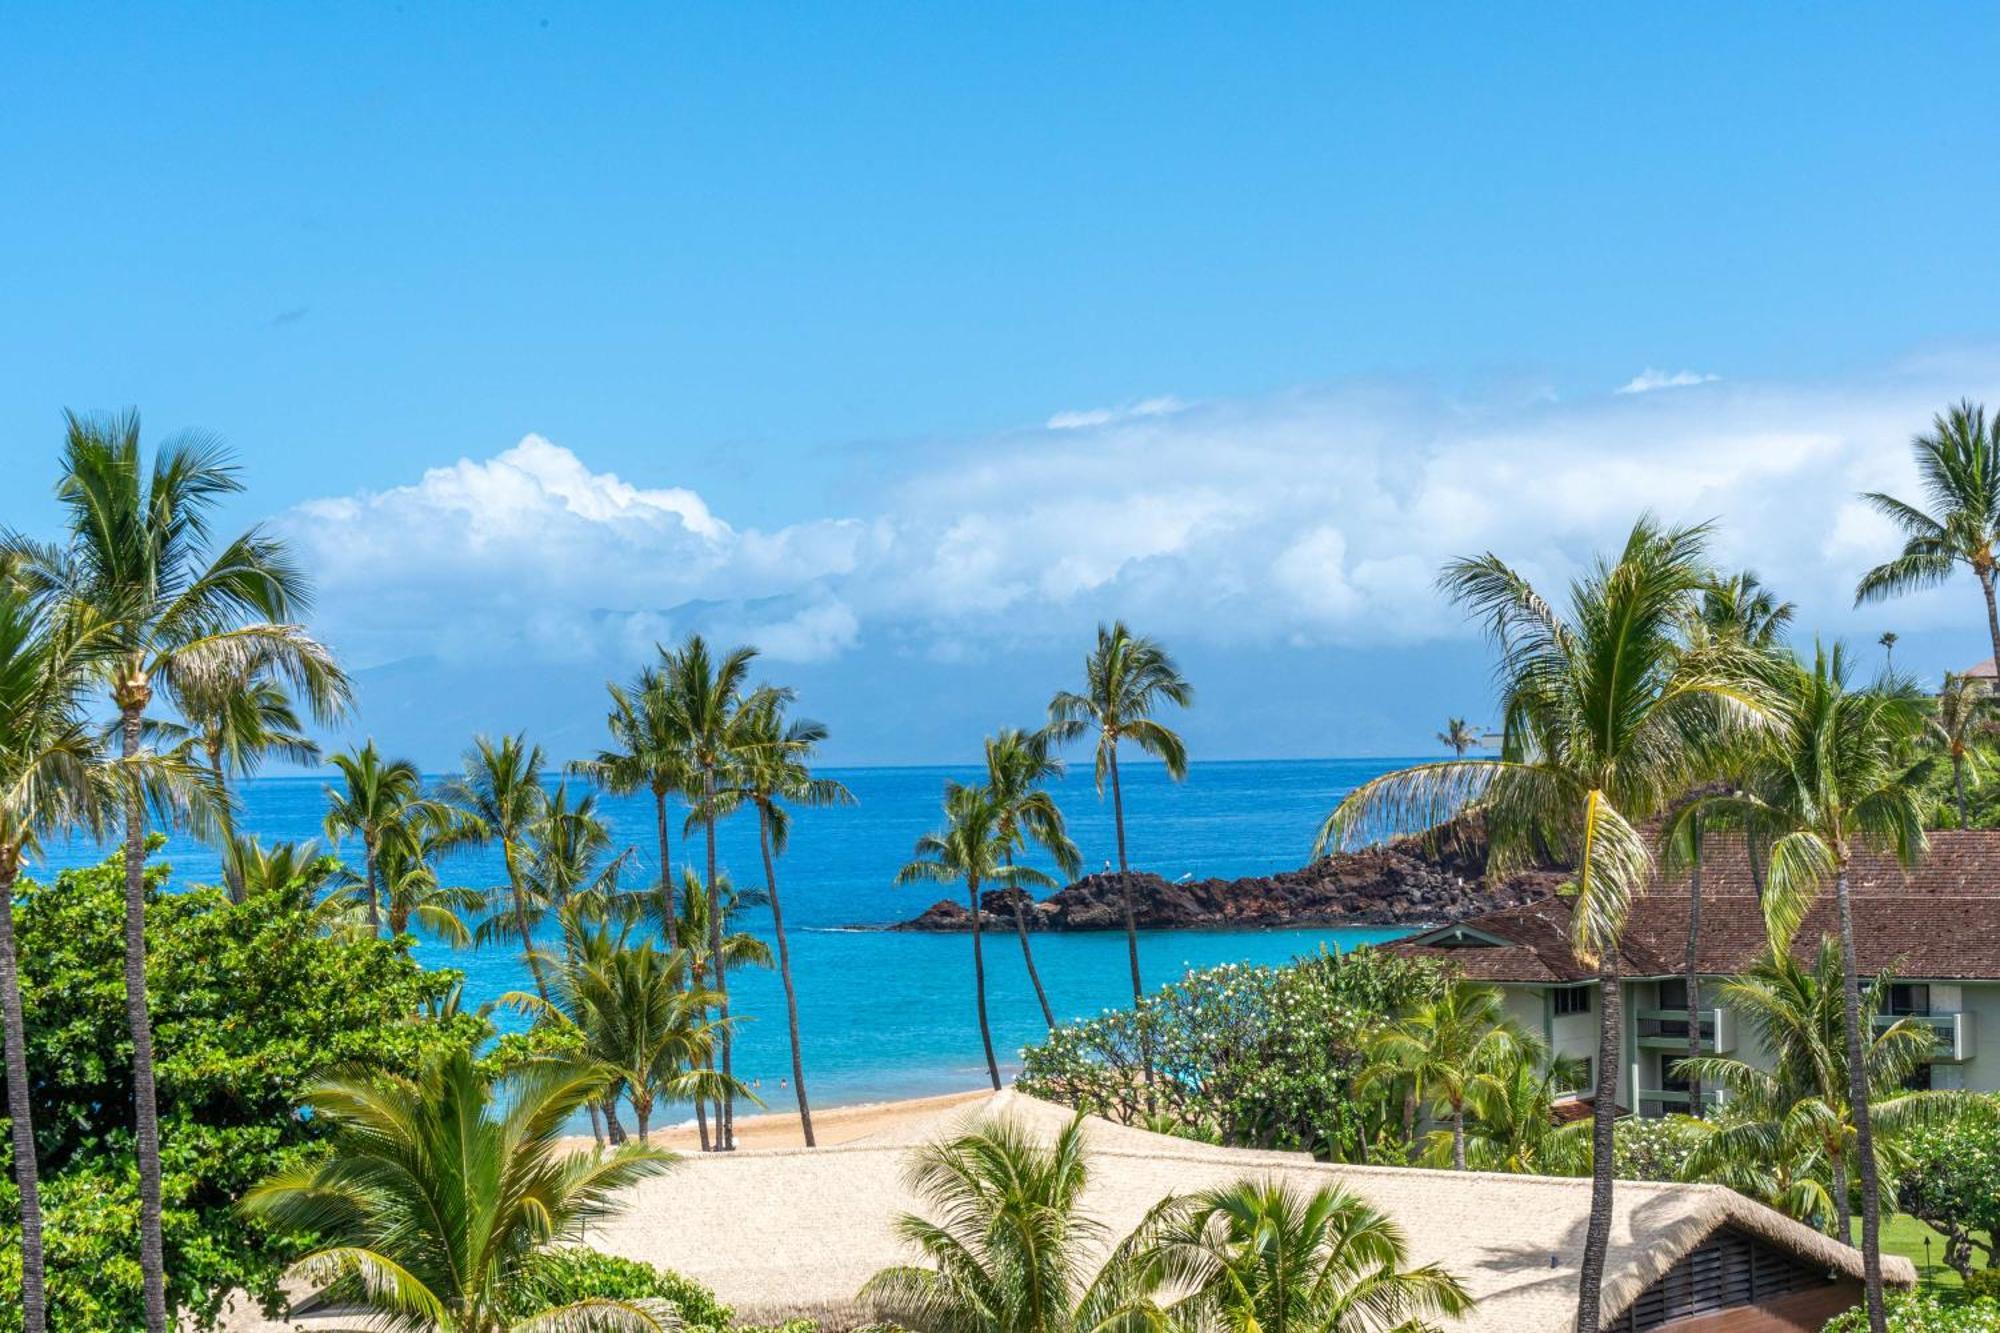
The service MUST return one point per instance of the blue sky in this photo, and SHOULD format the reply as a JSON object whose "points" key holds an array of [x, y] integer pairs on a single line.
{"points": [[911, 340]]}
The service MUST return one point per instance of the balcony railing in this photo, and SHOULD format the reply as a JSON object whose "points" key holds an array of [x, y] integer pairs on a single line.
{"points": [[1656, 1102], [1667, 1030], [1953, 1033]]}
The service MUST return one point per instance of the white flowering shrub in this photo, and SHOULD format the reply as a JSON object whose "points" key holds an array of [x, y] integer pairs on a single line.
{"points": [[1254, 1056]]}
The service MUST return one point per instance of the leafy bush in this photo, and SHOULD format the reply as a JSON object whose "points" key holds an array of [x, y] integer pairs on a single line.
{"points": [[1952, 1183], [1983, 1282], [573, 1274], [1654, 1149], [1925, 1312], [1256, 1056], [249, 1004]]}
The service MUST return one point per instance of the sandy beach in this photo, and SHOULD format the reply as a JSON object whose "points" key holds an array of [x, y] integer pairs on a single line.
{"points": [[833, 1125]]}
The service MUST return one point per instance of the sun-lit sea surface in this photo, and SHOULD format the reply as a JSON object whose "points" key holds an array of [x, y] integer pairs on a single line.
{"points": [[884, 1014]]}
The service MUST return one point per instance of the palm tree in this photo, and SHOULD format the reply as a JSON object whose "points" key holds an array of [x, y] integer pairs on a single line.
{"points": [[501, 792], [1609, 716], [648, 751], [1840, 781], [1961, 720], [633, 1011], [1741, 611], [1512, 1125], [568, 855], [442, 1194], [411, 893], [283, 867], [971, 847], [1888, 642], [1011, 1246], [1018, 763], [179, 612], [1958, 464], [1790, 1135], [1459, 736], [1264, 1255], [54, 777], [703, 696], [237, 720], [1739, 606], [771, 771], [713, 950], [1444, 1046], [1125, 681], [376, 798]]}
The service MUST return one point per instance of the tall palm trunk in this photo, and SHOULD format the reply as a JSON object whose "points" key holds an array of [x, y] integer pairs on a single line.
{"points": [[1958, 783], [1843, 1199], [1604, 1116], [785, 970], [1458, 1136], [1992, 608], [1028, 955], [979, 982], [374, 885], [1132, 933], [145, 1109], [1691, 973], [667, 918], [725, 1108], [232, 873], [1857, 1091], [26, 1173], [521, 926]]}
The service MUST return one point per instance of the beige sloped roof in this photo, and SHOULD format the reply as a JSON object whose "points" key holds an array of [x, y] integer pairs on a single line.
{"points": [[799, 1231], [782, 1232]]}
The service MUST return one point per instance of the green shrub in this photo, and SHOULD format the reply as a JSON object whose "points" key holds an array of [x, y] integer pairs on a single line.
{"points": [[249, 1005], [1925, 1312], [565, 1276], [1654, 1149], [1255, 1056], [1983, 1282]]}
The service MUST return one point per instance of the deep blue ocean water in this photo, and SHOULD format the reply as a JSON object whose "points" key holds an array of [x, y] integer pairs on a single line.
{"points": [[886, 1014]]}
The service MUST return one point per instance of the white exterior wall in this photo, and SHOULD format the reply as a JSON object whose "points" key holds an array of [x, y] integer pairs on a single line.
{"points": [[1575, 1035]]}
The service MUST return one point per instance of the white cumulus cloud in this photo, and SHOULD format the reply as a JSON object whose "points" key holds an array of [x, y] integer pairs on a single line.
{"points": [[1649, 379], [1316, 516]]}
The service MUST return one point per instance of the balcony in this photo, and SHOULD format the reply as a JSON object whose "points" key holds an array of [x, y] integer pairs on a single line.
{"points": [[1667, 1030], [1657, 1102], [1953, 1033]]}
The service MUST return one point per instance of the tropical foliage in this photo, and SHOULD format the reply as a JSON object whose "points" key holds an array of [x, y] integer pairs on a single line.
{"points": [[1254, 1056], [441, 1192], [231, 1075], [1610, 713]]}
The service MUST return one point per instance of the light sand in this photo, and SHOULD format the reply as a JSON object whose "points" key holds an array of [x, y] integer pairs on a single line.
{"points": [[831, 1125]]}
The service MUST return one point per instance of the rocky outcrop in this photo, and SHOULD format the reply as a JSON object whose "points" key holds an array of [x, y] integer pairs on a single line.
{"points": [[1408, 882]]}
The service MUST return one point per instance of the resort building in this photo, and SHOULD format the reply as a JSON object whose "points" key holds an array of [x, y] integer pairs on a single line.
{"points": [[1936, 927]]}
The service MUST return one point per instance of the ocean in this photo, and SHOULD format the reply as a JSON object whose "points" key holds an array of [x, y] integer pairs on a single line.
{"points": [[885, 1014]]}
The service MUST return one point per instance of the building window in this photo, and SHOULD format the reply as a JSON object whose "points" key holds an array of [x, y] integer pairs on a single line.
{"points": [[1572, 1000], [1581, 1079], [1907, 997], [1918, 1079], [1674, 993]]}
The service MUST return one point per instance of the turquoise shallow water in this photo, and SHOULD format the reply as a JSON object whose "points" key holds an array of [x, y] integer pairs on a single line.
{"points": [[890, 1014]]}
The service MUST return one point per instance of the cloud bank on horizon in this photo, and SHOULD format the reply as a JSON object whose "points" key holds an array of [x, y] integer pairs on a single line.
{"points": [[1313, 517]]}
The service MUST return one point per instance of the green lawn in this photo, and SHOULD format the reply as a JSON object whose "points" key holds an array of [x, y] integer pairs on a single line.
{"points": [[1905, 1235]]}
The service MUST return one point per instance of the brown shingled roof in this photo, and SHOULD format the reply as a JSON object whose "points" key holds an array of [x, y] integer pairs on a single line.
{"points": [[1939, 921]]}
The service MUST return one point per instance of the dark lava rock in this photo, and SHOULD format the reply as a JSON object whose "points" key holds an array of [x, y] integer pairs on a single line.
{"points": [[1413, 882]]}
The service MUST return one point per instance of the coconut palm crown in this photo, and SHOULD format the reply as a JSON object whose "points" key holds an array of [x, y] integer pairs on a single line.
{"points": [[1958, 525]]}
